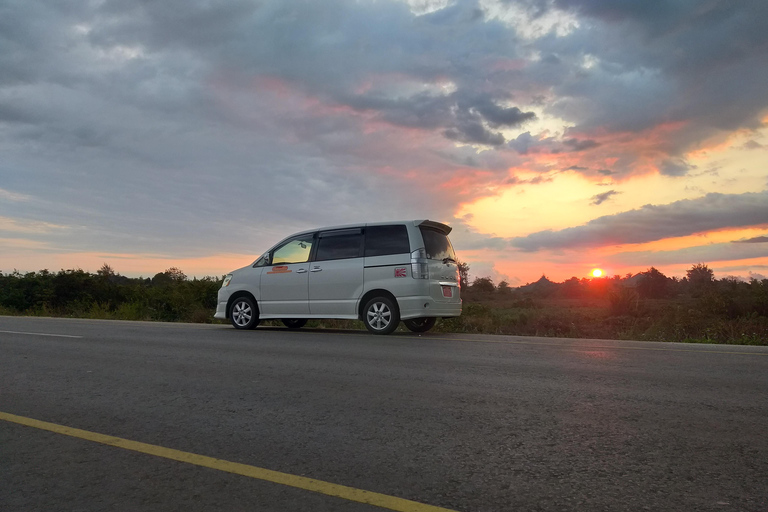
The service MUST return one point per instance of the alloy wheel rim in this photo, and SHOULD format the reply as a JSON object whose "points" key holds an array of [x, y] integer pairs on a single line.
{"points": [[241, 313], [379, 316]]}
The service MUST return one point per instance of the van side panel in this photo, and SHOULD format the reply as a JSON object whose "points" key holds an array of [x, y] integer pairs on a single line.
{"points": [[393, 273]]}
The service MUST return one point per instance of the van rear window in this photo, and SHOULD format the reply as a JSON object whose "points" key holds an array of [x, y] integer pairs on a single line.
{"points": [[437, 245], [382, 240]]}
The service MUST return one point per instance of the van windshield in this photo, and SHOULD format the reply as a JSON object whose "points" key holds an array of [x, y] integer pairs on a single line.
{"points": [[437, 245]]}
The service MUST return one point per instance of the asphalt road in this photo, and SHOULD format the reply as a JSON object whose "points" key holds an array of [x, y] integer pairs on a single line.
{"points": [[469, 423]]}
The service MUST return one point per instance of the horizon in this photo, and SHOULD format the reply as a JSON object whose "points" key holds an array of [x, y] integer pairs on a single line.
{"points": [[554, 136], [591, 277]]}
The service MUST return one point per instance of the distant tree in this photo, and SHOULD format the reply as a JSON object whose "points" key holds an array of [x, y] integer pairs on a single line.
{"points": [[463, 274], [653, 284], [503, 288], [483, 285], [161, 279], [176, 274], [700, 277], [571, 288], [106, 272]]}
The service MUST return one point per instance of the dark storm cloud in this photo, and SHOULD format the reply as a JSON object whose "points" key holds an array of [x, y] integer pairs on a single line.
{"points": [[650, 223], [601, 198]]}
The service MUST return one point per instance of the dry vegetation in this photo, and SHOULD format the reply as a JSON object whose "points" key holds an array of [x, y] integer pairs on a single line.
{"points": [[647, 306]]}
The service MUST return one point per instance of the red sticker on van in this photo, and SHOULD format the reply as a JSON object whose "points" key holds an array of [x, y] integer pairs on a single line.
{"points": [[400, 272]]}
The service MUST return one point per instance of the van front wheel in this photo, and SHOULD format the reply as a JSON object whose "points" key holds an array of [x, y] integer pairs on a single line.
{"points": [[243, 313], [381, 315], [420, 324]]}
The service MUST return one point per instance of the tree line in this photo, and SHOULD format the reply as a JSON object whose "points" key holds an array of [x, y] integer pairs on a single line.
{"points": [[168, 296], [648, 305]]}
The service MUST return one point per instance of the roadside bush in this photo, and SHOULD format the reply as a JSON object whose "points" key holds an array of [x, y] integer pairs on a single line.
{"points": [[624, 302], [108, 295]]}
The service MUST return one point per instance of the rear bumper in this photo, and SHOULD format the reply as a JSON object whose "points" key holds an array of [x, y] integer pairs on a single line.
{"points": [[424, 306]]}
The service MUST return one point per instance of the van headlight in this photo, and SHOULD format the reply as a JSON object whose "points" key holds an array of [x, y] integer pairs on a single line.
{"points": [[227, 279]]}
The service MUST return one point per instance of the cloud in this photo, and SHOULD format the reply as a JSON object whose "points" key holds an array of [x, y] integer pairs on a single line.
{"points": [[650, 223], [8, 224], [755, 240], [151, 127], [632, 67], [675, 167], [601, 198], [463, 116], [751, 144], [7, 195], [690, 255], [580, 145], [522, 142]]}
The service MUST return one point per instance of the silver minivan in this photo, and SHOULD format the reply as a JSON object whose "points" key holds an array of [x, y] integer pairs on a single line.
{"points": [[379, 273]]}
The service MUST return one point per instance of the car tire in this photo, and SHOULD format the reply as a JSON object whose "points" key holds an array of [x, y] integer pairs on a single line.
{"points": [[243, 313], [422, 324], [294, 323], [381, 315]]}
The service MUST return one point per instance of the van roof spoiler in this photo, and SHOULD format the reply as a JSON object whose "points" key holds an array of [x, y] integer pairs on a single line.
{"points": [[439, 226]]}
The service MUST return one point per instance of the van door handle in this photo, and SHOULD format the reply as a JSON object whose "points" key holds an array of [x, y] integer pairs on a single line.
{"points": [[301, 271], [316, 269]]}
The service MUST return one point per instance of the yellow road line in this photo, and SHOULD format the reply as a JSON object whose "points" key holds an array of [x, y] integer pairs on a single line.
{"points": [[300, 482]]}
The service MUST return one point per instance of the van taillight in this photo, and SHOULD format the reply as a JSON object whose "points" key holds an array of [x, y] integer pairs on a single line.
{"points": [[419, 264]]}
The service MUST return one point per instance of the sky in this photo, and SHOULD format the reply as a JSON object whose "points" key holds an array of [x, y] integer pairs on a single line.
{"points": [[554, 136]]}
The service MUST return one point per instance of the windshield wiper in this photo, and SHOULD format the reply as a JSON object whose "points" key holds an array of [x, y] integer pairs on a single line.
{"points": [[449, 260]]}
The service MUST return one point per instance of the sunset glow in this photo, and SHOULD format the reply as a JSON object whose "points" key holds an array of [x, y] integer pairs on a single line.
{"points": [[548, 139]]}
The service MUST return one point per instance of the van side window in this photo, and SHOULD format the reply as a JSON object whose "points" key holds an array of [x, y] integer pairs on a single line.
{"points": [[381, 240], [293, 251], [340, 244]]}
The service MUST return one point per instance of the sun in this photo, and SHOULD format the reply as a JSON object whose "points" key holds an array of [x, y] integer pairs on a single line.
{"points": [[597, 272]]}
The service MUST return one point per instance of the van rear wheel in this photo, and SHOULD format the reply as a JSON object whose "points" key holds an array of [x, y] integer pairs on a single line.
{"points": [[381, 315], [294, 323], [420, 324]]}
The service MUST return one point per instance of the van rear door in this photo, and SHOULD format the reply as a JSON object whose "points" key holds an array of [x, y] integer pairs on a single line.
{"points": [[443, 267]]}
